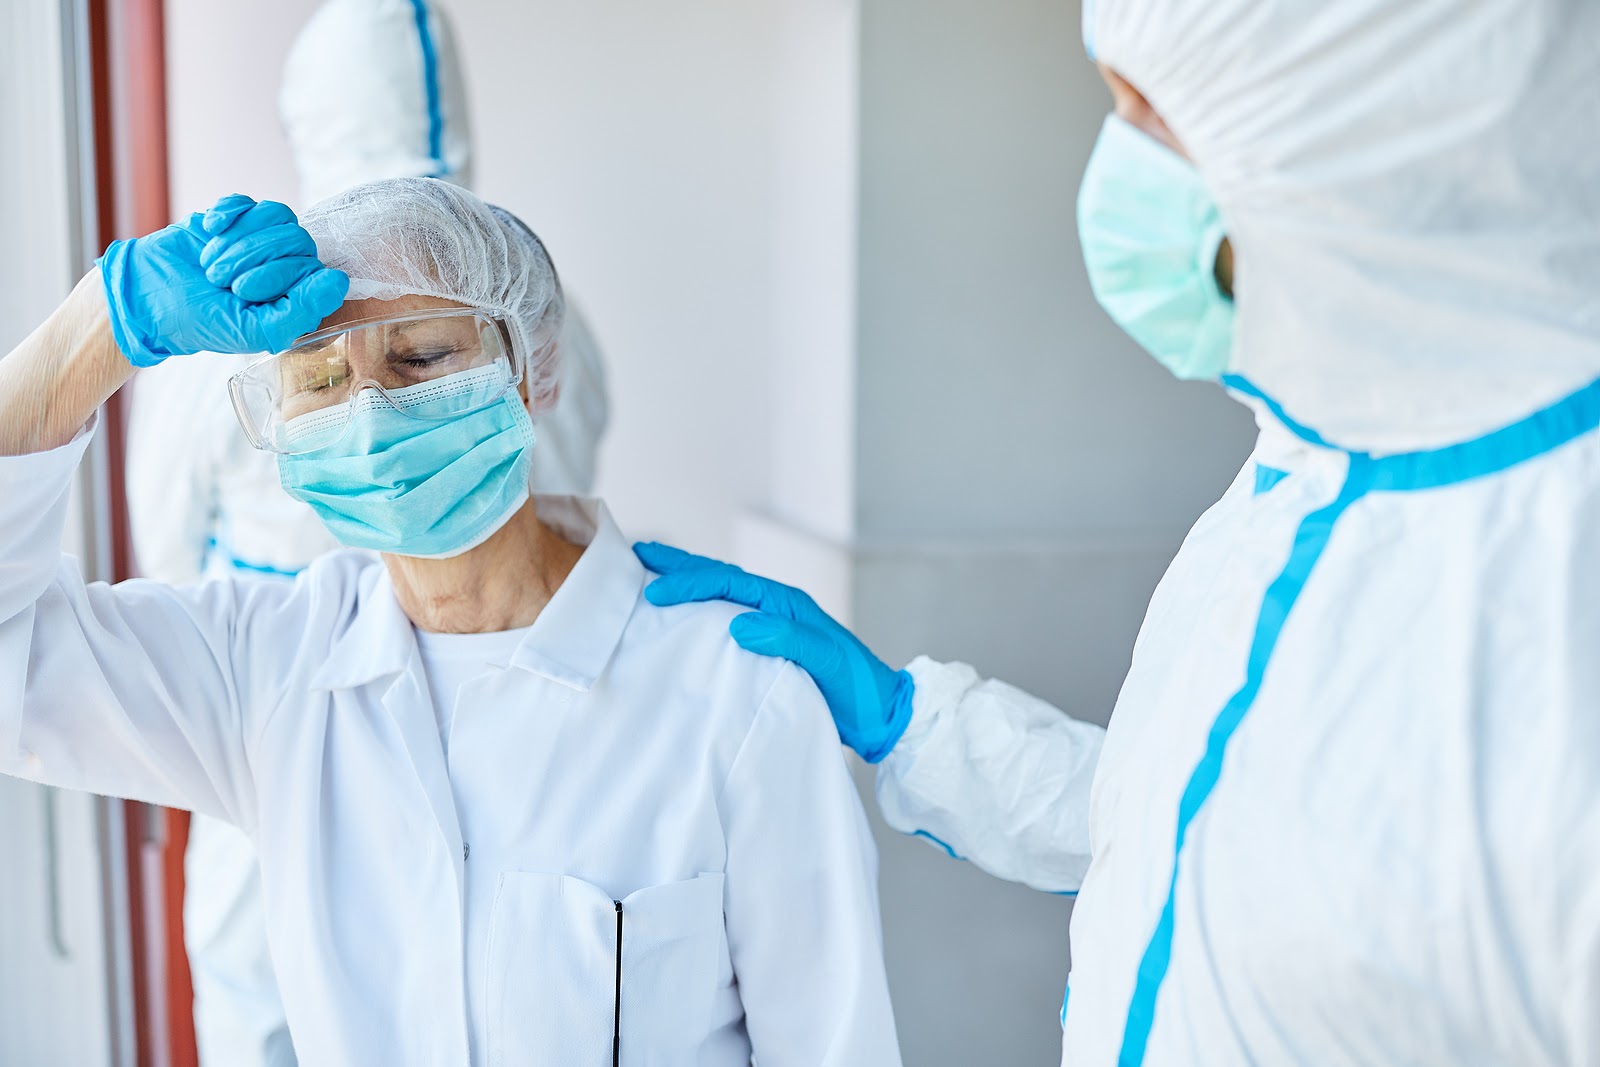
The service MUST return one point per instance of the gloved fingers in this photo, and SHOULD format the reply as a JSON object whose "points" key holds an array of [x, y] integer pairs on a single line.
{"points": [[774, 635], [262, 215], [225, 258], [274, 326], [271, 280], [722, 582], [195, 227], [664, 559], [222, 214]]}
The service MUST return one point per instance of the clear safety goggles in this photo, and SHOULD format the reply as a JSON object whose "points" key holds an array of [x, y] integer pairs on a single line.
{"points": [[430, 365]]}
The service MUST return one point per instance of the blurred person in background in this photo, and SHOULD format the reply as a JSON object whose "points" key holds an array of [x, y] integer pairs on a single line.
{"points": [[371, 89]]}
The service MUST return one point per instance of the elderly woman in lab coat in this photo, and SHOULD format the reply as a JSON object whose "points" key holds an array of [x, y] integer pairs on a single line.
{"points": [[506, 811]]}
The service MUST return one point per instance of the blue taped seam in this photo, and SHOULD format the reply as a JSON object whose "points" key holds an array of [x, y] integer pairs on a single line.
{"points": [[1310, 540], [430, 88], [260, 568], [1243, 385], [1544, 431], [1268, 477], [1066, 996], [1540, 433], [952, 853], [213, 545], [1524, 440]]}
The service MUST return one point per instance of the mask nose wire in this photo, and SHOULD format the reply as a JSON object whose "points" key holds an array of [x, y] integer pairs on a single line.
{"points": [[353, 404]]}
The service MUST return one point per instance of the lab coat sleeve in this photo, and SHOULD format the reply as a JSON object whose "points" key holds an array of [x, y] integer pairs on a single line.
{"points": [[993, 775], [120, 690], [802, 899]]}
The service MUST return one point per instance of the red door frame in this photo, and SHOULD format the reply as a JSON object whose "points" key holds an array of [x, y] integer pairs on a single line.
{"points": [[127, 57]]}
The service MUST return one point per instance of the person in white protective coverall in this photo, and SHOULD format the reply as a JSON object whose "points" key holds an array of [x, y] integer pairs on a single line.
{"points": [[1348, 807], [371, 89]]}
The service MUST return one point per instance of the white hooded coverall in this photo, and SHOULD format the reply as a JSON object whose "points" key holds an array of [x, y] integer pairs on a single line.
{"points": [[1348, 807]]}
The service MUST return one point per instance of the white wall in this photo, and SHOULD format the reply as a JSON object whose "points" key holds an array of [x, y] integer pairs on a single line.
{"points": [[635, 137], [1023, 471], [223, 134]]}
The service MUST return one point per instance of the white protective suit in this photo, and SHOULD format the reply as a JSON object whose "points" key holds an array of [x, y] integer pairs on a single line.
{"points": [[372, 88], [1348, 808]]}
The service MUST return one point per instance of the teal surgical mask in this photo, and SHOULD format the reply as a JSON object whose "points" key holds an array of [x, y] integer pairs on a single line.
{"points": [[399, 482], [1150, 234]]}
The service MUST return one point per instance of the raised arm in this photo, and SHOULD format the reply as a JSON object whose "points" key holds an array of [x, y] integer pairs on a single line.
{"points": [[54, 382], [242, 277], [132, 690]]}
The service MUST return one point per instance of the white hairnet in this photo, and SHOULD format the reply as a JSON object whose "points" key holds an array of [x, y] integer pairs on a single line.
{"points": [[372, 89], [1413, 189], [425, 237]]}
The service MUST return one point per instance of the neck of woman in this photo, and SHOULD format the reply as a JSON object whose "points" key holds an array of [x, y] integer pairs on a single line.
{"points": [[503, 584]]}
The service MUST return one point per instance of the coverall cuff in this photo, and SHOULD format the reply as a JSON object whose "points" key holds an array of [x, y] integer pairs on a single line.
{"points": [[938, 688]]}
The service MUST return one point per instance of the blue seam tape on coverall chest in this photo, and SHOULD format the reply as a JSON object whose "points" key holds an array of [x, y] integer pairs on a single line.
{"points": [[1500, 450], [1267, 478]]}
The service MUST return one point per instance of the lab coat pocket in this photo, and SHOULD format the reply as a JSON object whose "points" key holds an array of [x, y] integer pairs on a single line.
{"points": [[576, 977]]}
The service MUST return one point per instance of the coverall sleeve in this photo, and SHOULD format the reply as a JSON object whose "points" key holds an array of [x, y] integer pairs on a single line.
{"points": [[120, 690], [995, 776], [173, 425], [802, 892]]}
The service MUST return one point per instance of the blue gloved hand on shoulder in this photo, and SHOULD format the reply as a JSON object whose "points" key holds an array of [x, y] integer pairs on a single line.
{"points": [[241, 277], [871, 703]]}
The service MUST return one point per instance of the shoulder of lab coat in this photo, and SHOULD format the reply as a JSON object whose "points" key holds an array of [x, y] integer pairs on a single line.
{"points": [[802, 904]]}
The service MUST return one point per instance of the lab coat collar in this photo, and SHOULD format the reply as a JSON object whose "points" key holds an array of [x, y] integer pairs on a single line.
{"points": [[577, 633], [572, 641]]}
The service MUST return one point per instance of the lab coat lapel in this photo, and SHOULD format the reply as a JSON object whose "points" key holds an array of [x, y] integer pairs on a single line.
{"points": [[411, 707], [380, 650]]}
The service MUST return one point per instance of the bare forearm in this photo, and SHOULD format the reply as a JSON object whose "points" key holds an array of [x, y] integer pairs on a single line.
{"points": [[55, 380]]}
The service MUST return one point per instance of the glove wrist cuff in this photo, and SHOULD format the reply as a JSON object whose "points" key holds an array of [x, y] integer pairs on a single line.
{"points": [[113, 267], [899, 717]]}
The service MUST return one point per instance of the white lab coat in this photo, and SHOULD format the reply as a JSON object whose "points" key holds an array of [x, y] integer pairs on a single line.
{"points": [[203, 502], [625, 754]]}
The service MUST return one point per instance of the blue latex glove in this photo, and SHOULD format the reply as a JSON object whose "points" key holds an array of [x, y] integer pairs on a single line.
{"points": [[242, 277], [871, 704]]}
